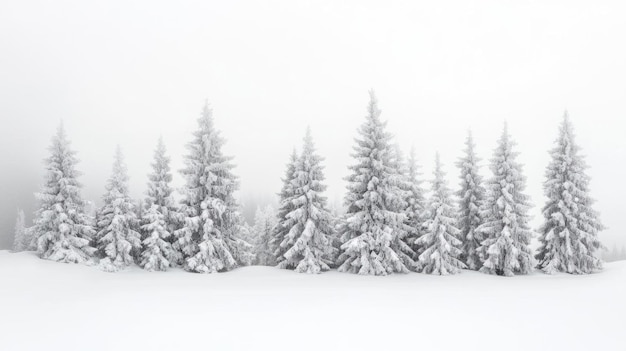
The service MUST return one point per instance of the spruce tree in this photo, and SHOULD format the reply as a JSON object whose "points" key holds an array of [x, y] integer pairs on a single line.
{"points": [[117, 238], [209, 236], [308, 242], [61, 228], [416, 205], [159, 215], [505, 212], [472, 196], [372, 218], [569, 234], [338, 218], [440, 243], [405, 233], [264, 224], [247, 235], [21, 239], [156, 252], [139, 208], [160, 191], [283, 223]]}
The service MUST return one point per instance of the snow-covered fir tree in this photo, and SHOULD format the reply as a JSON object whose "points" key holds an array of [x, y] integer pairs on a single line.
{"points": [[117, 239], [21, 239], [472, 196], [569, 234], [505, 214], [159, 215], [210, 234], [286, 205], [247, 236], [416, 211], [264, 224], [405, 234], [61, 228], [338, 217], [156, 252], [160, 191], [140, 208], [241, 249], [372, 218], [308, 242], [440, 242]]}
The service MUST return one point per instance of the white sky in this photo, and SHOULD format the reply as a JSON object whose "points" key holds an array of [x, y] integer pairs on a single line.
{"points": [[127, 71]]}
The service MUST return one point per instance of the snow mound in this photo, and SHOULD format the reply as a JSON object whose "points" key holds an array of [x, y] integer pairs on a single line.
{"points": [[52, 306]]}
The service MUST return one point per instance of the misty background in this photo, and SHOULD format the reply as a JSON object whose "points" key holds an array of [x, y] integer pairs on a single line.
{"points": [[126, 72]]}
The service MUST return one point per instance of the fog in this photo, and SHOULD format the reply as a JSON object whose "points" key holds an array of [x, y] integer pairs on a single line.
{"points": [[126, 72]]}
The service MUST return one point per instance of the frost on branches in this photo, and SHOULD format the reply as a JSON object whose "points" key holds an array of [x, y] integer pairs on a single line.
{"points": [[569, 234], [160, 191], [286, 205], [337, 216], [472, 195], [61, 228], [507, 233], [264, 224], [416, 208], [308, 245], [406, 232], [159, 215], [209, 237], [373, 217], [441, 246], [117, 240], [156, 251]]}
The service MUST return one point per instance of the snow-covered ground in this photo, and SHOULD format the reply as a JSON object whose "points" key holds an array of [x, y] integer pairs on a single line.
{"points": [[52, 306]]}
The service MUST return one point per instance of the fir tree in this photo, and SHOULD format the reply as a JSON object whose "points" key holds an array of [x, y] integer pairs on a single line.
{"points": [[308, 242], [117, 238], [569, 234], [416, 211], [405, 234], [286, 205], [264, 224], [337, 216], [505, 212], [372, 217], [441, 246], [416, 205], [160, 196], [472, 196], [159, 214], [160, 191], [21, 239], [209, 237], [140, 207], [62, 230], [247, 236], [156, 252], [241, 249]]}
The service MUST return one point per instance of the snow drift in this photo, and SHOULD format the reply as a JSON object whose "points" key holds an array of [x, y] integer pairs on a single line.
{"points": [[51, 306]]}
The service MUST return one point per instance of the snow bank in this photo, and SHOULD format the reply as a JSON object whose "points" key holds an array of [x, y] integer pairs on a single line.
{"points": [[51, 306]]}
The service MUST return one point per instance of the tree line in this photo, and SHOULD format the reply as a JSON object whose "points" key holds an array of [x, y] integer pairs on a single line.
{"points": [[389, 225]]}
